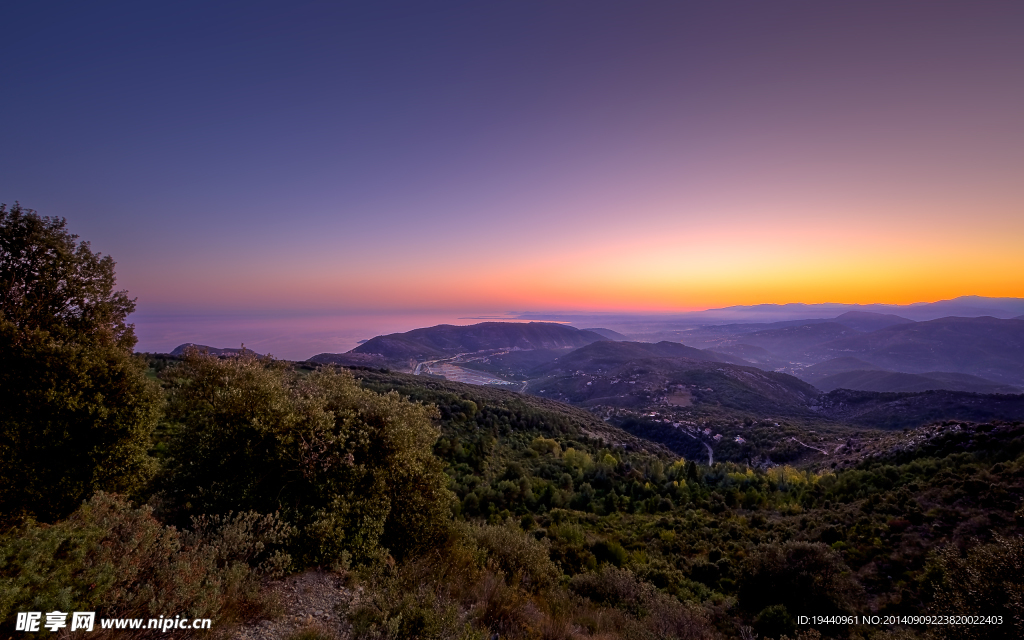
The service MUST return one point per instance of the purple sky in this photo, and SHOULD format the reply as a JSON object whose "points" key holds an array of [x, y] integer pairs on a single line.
{"points": [[386, 157]]}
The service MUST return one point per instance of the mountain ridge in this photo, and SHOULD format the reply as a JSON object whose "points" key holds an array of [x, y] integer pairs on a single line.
{"points": [[881, 380], [987, 347]]}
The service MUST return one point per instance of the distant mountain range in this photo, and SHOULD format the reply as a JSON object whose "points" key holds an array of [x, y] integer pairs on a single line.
{"points": [[864, 349], [877, 348], [898, 371], [986, 347], [989, 348], [964, 306]]}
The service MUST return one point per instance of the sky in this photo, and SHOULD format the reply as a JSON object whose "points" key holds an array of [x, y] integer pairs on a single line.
{"points": [[256, 159]]}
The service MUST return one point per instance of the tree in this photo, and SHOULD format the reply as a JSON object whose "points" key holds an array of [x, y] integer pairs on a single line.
{"points": [[76, 409], [52, 283], [351, 469]]}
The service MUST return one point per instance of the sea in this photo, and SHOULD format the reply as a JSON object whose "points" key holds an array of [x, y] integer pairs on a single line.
{"points": [[287, 336]]}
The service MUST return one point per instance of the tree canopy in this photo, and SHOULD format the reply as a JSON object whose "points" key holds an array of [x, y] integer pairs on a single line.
{"points": [[51, 282], [76, 409]]}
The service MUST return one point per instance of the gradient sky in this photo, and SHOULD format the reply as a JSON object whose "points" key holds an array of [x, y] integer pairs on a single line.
{"points": [[315, 157]]}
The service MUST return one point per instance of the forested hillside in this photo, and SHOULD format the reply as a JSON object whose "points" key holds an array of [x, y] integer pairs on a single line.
{"points": [[740, 541]]}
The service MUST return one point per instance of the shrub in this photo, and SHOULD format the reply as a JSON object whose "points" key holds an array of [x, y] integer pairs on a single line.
{"points": [[611, 551], [988, 580], [516, 553], [657, 614], [121, 562], [775, 621], [670, 619], [246, 538], [616, 587], [420, 598], [351, 469]]}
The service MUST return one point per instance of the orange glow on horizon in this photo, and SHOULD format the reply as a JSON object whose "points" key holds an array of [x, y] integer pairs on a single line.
{"points": [[725, 256]]}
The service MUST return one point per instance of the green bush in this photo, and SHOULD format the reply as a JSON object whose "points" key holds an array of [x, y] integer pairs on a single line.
{"points": [[121, 562], [657, 616], [421, 599], [351, 469], [248, 538], [987, 580], [516, 554], [616, 587], [775, 621]]}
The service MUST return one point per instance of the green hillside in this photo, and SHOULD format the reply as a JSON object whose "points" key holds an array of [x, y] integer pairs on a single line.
{"points": [[614, 521], [901, 410], [706, 534]]}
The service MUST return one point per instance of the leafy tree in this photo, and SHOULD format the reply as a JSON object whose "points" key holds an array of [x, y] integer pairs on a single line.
{"points": [[353, 470], [52, 283], [76, 410]]}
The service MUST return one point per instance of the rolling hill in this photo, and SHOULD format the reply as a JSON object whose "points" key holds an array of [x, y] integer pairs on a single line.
{"points": [[607, 333], [870, 321], [614, 354], [443, 341], [632, 374], [797, 343], [579, 367], [899, 410], [986, 347], [853, 373], [816, 372], [750, 355]]}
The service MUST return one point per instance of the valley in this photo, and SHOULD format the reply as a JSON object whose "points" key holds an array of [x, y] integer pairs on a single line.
{"points": [[706, 471], [762, 394]]}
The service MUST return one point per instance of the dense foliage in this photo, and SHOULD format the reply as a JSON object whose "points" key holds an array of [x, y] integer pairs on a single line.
{"points": [[350, 468], [758, 547], [76, 410], [121, 562]]}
